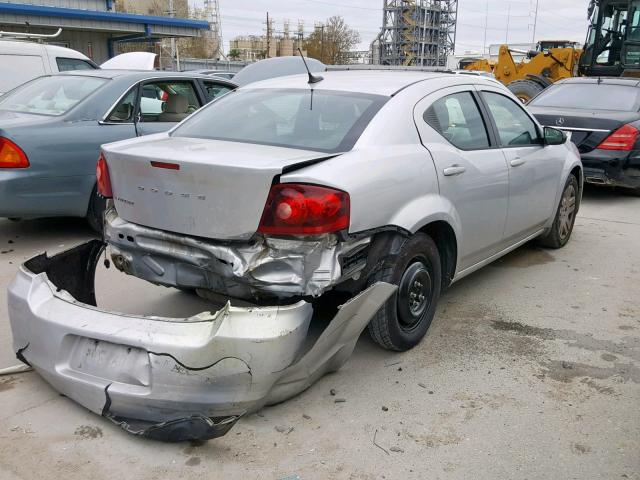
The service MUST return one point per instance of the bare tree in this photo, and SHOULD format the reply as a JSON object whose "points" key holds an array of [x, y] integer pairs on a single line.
{"points": [[331, 42]]}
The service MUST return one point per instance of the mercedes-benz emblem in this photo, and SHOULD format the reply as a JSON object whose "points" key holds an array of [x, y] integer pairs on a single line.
{"points": [[560, 121]]}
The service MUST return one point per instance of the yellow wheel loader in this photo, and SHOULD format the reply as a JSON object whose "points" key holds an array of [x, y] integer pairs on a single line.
{"points": [[552, 61]]}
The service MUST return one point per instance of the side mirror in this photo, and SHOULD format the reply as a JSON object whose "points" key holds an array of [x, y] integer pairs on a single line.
{"points": [[553, 136]]}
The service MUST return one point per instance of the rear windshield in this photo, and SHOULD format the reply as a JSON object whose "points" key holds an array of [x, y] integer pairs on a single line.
{"points": [[325, 121], [50, 95], [590, 96]]}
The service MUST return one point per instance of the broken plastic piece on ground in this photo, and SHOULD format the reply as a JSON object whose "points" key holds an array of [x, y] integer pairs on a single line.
{"points": [[171, 379]]}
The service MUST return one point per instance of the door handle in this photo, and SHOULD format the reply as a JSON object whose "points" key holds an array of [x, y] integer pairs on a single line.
{"points": [[517, 162], [454, 170]]}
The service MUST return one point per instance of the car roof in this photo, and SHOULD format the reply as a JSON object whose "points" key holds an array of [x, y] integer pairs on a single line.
{"points": [[26, 47], [135, 74], [376, 82], [628, 81]]}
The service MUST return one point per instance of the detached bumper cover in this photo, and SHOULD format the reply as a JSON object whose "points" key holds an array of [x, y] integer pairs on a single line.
{"points": [[166, 378]]}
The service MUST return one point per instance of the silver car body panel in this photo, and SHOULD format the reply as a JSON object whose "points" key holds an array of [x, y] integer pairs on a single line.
{"points": [[171, 378], [219, 191], [272, 266]]}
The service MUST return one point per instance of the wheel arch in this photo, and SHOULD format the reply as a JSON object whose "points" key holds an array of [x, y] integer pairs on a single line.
{"points": [[445, 239], [579, 174]]}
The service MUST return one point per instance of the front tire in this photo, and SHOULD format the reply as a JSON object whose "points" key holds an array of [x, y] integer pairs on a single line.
{"points": [[565, 219], [404, 319], [525, 90]]}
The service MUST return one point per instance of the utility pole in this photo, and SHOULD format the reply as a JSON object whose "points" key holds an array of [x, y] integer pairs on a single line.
{"points": [[322, 43], [268, 37], [174, 63], [508, 22], [535, 22], [486, 26]]}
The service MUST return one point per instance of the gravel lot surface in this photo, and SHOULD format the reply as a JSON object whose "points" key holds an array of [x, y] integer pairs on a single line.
{"points": [[531, 370]]}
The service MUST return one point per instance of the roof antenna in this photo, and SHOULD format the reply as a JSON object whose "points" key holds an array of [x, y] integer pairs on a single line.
{"points": [[312, 78]]}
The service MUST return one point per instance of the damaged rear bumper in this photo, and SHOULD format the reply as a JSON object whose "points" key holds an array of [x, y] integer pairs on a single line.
{"points": [[171, 379]]}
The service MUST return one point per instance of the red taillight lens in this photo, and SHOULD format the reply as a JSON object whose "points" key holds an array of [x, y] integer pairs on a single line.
{"points": [[294, 209], [622, 139], [102, 176], [11, 155]]}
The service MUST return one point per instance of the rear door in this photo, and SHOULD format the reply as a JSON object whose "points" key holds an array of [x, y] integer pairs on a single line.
{"points": [[472, 171], [534, 169]]}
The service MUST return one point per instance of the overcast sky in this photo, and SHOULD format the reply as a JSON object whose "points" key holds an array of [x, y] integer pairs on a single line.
{"points": [[557, 19]]}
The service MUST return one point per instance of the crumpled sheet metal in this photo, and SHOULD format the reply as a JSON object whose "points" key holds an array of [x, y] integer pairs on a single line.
{"points": [[280, 267], [173, 379]]}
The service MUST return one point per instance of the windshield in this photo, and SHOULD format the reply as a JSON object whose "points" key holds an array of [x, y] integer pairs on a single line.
{"points": [[590, 96], [50, 95], [325, 121]]}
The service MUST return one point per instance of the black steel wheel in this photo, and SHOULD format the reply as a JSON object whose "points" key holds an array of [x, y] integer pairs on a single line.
{"points": [[405, 318]]}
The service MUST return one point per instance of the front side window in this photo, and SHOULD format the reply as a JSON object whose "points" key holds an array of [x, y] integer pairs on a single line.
{"points": [[457, 118], [51, 95], [168, 101], [66, 64], [124, 111], [515, 127], [320, 120]]}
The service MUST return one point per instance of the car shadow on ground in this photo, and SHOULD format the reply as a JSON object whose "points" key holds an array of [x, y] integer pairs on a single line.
{"points": [[43, 229], [610, 196]]}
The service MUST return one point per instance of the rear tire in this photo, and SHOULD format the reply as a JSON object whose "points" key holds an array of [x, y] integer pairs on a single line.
{"points": [[565, 219], [95, 212], [404, 319], [525, 90]]}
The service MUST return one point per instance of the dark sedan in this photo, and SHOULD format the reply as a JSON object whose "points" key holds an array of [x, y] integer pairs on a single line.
{"points": [[51, 130], [603, 117]]}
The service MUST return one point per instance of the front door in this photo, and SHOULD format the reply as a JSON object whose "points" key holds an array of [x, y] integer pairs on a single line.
{"points": [[472, 171], [534, 170]]}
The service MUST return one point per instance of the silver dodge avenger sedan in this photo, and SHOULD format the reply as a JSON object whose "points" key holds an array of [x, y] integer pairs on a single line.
{"points": [[383, 186]]}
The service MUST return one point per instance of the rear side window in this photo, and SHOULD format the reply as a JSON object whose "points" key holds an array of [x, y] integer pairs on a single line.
{"points": [[457, 118], [515, 127], [66, 64], [214, 90], [602, 96]]}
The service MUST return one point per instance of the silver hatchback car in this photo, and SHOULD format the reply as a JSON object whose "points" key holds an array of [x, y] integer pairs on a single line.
{"points": [[384, 186]]}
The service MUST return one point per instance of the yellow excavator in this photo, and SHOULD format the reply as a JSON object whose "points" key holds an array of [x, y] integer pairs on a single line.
{"points": [[553, 60]]}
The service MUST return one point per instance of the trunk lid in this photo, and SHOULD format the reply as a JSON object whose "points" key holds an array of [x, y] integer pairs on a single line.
{"points": [[219, 190], [588, 128]]}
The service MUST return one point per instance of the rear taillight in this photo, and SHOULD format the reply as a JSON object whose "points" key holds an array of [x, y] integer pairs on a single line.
{"points": [[102, 176], [11, 155], [294, 209], [622, 139]]}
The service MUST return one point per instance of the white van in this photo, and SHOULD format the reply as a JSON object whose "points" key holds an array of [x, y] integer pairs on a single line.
{"points": [[21, 61]]}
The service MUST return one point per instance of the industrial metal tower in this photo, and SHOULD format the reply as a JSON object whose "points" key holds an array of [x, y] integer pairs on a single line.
{"points": [[416, 33], [212, 15]]}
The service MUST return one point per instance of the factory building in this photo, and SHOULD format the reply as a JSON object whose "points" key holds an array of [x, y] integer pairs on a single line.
{"points": [[273, 44], [93, 27]]}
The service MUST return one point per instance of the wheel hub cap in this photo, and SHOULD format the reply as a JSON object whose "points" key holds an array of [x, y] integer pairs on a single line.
{"points": [[567, 212], [414, 294]]}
